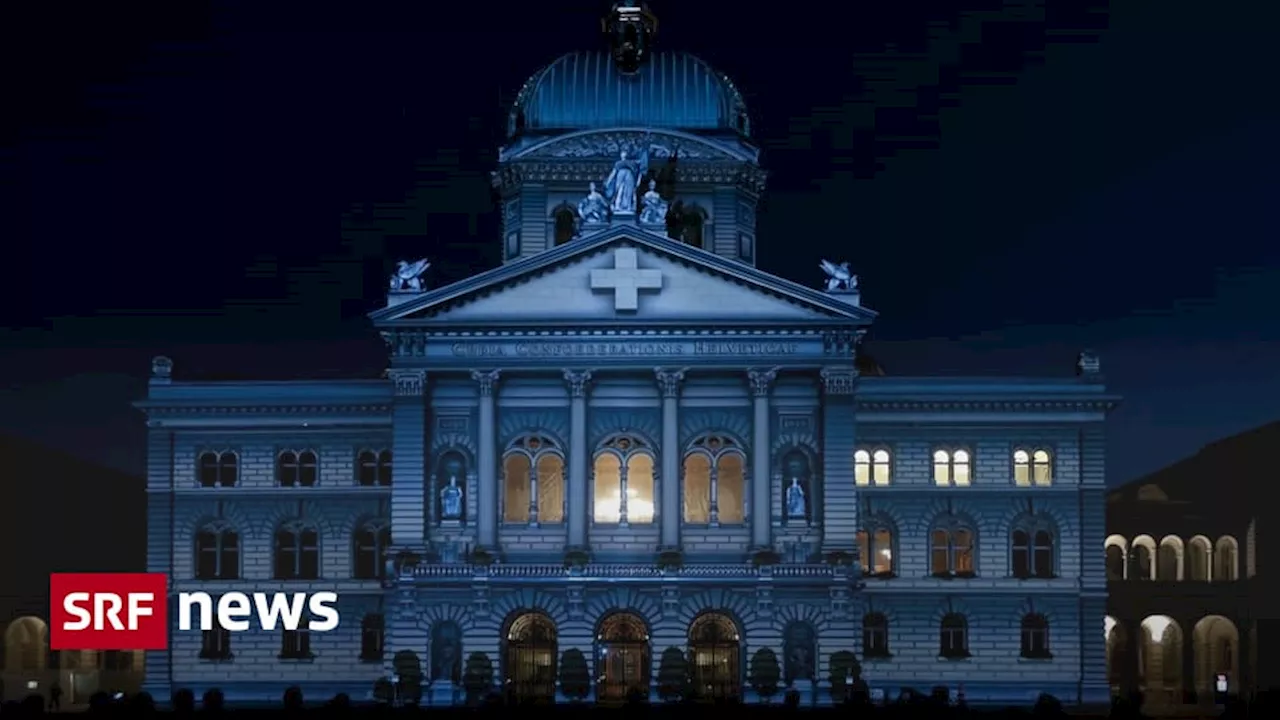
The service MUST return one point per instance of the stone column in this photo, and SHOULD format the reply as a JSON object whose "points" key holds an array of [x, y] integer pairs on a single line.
{"points": [[1130, 669], [761, 464], [669, 385], [578, 381], [839, 503], [408, 458], [486, 464], [1191, 689]]}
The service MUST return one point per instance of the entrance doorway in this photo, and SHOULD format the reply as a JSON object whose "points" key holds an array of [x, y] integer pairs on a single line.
{"points": [[530, 663], [623, 657], [716, 651]]}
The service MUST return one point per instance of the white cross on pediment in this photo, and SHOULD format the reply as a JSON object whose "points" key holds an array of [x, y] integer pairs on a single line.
{"points": [[626, 279]]}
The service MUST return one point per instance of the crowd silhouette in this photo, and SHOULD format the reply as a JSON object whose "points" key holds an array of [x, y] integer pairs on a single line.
{"points": [[938, 703]]}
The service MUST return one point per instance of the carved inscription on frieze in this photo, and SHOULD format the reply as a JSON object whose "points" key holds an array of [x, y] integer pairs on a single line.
{"points": [[623, 349]]}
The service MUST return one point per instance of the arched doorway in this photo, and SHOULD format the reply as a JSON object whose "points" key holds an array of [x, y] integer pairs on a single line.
{"points": [[530, 657], [715, 652], [1117, 654], [26, 645], [623, 656], [1161, 661], [1216, 644]]}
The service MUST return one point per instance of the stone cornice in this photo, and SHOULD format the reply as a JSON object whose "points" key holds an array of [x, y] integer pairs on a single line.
{"points": [[512, 178], [621, 572], [1009, 405], [231, 408]]}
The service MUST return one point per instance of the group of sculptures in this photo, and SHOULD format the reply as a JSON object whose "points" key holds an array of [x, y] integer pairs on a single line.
{"points": [[621, 197], [621, 188]]}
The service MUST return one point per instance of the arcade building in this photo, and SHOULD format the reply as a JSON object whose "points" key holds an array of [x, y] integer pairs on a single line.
{"points": [[628, 440], [1189, 602]]}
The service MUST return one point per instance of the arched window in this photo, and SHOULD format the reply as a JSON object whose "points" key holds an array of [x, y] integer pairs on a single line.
{"points": [[297, 552], [951, 548], [1169, 558], [564, 222], [1035, 636], [372, 634], [373, 468], [219, 469], [296, 644], [714, 481], [1032, 467], [215, 644], [692, 223], [952, 468], [1225, 558], [533, 481], [875, 635], [369, 550], [1199, 558], [297, 469], [875, 546], [217, 552], [26, 644], [953, 637], [623, 482], [871, 467], [1115, 562], [1142, 558], [1031, 548]]}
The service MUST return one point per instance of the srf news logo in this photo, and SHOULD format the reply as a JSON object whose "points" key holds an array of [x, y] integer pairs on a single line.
{"points": [[129, 611]]}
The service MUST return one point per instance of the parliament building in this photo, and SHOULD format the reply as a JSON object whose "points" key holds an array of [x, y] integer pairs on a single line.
{"points": [[628, 443]]}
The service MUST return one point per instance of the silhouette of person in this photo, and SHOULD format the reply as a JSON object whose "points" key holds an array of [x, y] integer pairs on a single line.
{"points": [[55, 697]]}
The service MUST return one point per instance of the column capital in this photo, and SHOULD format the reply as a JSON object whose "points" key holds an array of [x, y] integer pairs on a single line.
{"points": [[838, 380], [408, 382], [578, 381], [487, 379], [761, 380], [669, 381]]}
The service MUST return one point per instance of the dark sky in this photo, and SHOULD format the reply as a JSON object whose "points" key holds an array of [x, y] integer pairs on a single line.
{"points": [[1012, 183]]}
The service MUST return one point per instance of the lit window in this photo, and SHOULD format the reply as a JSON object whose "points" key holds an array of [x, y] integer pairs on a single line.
{"points": [[952, 468]]}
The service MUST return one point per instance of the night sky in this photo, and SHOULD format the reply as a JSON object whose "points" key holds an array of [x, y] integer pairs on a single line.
{"points": [[1011, 188]]}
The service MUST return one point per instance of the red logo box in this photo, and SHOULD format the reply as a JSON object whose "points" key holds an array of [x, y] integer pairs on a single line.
{"points": [[108, 611]]}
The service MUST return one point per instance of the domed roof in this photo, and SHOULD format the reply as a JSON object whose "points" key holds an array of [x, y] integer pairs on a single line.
{"points": [[586, 90]]}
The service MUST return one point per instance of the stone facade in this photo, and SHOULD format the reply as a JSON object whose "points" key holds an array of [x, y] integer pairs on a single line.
{"points": [[628, 439]]}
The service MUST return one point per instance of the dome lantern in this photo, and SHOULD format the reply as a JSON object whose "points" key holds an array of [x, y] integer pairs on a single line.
{"points": [[629, 28]]}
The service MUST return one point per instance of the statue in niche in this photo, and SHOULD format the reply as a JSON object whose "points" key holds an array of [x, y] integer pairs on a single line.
{"points": [[452, 477], [653, 209], [446, 653], [795, 469], [799, 646], [594, 208], [795, 500], [623, 184]]}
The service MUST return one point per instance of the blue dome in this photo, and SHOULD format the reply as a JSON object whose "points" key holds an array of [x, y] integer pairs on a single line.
{"points": [[585, 90]]}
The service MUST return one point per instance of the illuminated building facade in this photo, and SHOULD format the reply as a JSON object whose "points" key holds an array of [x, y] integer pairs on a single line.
{"points": [[628, 439]]}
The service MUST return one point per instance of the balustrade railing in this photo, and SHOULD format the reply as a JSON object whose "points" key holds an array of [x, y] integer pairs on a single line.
{"points": [[621, 570]]}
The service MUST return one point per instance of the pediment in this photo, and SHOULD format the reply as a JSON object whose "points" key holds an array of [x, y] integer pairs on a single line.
{"points": [[626, 277]]}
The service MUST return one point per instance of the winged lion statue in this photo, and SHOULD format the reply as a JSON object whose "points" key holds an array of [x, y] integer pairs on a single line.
{"points": [[839, 277], [408, 276]]}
